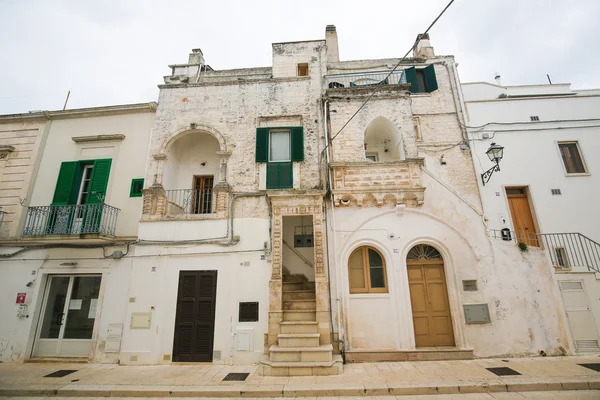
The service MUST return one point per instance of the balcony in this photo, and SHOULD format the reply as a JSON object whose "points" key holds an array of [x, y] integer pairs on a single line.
{"points": [[76, 219], [365, 79], [375, 184]]}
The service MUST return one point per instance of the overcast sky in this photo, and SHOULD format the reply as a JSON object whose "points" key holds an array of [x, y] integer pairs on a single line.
{"points": [[116, 51]]}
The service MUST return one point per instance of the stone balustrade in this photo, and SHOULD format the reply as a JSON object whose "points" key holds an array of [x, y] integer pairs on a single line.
{"points": [[375, 184]]}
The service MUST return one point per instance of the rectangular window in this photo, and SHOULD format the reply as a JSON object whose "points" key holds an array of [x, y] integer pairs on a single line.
{"points": [[372, 157], [202, 195], [421, 84], [137, 185], [572, 159], [279, 146], [303, 69], [248, 312], [422, 80]]}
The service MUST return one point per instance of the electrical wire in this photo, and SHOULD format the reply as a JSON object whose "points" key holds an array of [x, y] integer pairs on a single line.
{"points": [[419, 37]]}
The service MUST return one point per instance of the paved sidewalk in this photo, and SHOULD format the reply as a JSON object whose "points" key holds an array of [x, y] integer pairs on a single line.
{"points": [[368, 379]]}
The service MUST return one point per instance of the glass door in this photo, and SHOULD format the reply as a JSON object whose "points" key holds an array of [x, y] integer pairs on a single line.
{"points": [[69, 315]]}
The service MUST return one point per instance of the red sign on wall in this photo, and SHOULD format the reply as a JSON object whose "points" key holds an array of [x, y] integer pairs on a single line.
{"points": [[21, 298]]}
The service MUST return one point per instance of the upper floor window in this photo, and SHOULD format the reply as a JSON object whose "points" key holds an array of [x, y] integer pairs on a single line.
{"points": [[366, 271], [202, 202], [571, 157], [422, 80], [279, 147], [303, 69]]}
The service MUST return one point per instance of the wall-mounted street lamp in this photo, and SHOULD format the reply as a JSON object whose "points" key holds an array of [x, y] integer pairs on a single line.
{"points": [[495, 153]]}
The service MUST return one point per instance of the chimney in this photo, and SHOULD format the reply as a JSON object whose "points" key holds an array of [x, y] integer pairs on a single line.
{"points": [[497, 78], [196, 57], [331, 40], [423, 48]]}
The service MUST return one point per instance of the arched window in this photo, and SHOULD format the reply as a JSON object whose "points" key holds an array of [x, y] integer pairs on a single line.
{"points": [[423, 252], [366, 271]]}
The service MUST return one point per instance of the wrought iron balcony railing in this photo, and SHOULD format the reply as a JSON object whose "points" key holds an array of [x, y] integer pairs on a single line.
{"points": [[76, 219], [566, 250], [364, 79], [189, 201]]}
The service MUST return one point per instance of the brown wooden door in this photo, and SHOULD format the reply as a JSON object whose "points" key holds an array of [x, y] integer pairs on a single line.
{"points": [[195, 316], [430, 306], [521, 216]]}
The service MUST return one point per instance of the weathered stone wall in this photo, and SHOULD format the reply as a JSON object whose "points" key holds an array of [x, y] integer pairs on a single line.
{"points": [[19, 145], [235, 109]]}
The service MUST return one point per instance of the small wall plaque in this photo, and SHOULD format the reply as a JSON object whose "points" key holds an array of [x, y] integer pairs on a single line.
{"points": [[477, 313]]}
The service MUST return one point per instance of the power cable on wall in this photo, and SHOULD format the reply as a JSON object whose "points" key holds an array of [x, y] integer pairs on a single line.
{"points": [[419, 37]]}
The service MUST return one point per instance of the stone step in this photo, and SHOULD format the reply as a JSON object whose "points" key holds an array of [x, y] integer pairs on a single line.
{"points": [[311, 368], [294, 278], [299, 327], [300, 315], [298, 339], [300, 305], [291, 286], [420, 354], [301, 354], [299, 295]]}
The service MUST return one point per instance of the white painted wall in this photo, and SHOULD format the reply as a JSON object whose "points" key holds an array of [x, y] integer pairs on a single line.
{"points": [[156, 291], [17, 334], [291, 260], [532, 159]]}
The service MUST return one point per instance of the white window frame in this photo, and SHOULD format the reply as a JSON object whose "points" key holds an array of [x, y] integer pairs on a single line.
{"points": [[372, 155], [585, 167], [289, 132]]}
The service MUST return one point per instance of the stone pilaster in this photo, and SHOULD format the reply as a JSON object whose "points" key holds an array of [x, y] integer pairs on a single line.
{"points": [[154, 201]]}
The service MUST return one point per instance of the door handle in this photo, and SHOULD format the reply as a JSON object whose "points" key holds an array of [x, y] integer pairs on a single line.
{"points": [[59, 318]]}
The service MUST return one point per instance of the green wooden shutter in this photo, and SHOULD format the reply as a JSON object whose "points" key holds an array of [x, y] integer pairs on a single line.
{"points": [[280, 175], [65, 183], [286, 179], [297, 143], [272, 176], [430, 79], [411, 77], [99, 181], [262, 144]]}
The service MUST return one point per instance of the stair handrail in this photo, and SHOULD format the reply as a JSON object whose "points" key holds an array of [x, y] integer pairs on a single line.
{"points": [[298, 254]]}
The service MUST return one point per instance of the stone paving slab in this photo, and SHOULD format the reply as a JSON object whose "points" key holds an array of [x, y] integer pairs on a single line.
{"points": [[422, 378]]}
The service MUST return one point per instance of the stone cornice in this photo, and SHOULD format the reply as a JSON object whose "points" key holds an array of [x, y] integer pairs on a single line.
{"points": [[98, 138], [82, 112]]}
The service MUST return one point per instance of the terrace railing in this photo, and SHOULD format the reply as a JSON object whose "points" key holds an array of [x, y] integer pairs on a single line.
{"points": [[364, 79], [71, 219], [566, 250]]}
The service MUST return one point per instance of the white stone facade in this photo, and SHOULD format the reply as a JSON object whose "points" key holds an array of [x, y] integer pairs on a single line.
{"points": [[218, 204], [531, 122]]}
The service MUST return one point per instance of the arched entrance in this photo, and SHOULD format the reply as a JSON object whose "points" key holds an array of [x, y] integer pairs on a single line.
{"points": [[432, 320]]}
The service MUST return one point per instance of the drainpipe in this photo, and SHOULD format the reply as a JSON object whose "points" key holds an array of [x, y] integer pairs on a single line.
{"points": [[328, 193]]}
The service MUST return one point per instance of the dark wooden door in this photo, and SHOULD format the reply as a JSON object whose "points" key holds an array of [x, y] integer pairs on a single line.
{"points": [[195, 317]]}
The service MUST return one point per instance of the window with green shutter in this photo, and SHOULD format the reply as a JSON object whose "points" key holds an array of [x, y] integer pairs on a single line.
{"points": [[137, 185], [79, 183], [422, 80], [279, 147]]}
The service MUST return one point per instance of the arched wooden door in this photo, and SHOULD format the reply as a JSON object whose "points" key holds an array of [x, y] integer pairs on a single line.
{"points": [[429, 297]]}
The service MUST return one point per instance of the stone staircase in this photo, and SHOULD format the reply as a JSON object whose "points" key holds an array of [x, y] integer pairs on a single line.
{"points": [[299, 350]]}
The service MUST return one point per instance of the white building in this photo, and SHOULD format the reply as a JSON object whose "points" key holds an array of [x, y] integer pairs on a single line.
{"points": [[65, 280], [547, 190], [277, 229]]}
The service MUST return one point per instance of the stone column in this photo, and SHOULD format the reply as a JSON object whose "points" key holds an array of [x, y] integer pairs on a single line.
{"points": [[276, 283], [321, 278], [155, 201]]}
